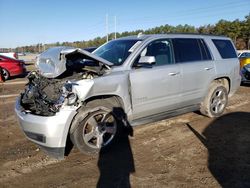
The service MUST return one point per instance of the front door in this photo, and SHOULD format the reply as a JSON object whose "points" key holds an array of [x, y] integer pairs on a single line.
{"points": [[156, 89]]}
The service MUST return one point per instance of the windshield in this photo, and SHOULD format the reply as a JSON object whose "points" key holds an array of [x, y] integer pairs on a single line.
{"points": [[115, 51]]}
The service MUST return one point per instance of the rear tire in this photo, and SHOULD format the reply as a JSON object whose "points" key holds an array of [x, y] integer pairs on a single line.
{"points": [[95, 126], [216, 100], [6, 74]]}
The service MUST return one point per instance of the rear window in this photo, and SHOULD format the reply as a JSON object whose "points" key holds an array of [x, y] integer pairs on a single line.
{"points": [[188, 50], [225, 48]]}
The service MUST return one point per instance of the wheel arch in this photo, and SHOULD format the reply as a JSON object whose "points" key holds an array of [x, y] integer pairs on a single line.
{"points": [[225, 81], [117, 98], [205, 107]]}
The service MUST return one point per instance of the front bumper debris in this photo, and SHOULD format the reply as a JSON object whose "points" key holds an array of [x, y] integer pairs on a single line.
{"points": [[48, 132]]}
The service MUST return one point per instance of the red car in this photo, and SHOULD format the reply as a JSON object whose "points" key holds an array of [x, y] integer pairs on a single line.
{"points": [[11, 67]]}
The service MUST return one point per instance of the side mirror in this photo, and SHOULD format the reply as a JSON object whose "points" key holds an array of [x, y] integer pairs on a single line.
{"points": [[149, 60]]}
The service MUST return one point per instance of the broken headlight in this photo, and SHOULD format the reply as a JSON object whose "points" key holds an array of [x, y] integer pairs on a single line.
{"points": [[70, 97]]}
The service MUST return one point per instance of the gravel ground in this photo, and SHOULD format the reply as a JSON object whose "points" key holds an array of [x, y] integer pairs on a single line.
{"points": [[185, 151]]}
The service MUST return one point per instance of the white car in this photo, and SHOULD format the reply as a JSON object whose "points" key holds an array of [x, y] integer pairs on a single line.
{"points": [[10, 54], [243, 53]]}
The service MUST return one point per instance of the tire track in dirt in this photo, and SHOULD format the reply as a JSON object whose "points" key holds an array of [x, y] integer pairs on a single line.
{"points": [[32, 162], [23, 166]]}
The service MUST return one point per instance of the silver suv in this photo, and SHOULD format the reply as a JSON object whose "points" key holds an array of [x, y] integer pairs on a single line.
{"points": [[90, 97]]}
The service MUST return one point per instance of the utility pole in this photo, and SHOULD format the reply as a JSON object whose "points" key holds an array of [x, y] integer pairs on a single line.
{"points": [[107, 28], [115, 26]]}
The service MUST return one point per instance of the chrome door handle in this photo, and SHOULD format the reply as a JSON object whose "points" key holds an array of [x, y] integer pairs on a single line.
{"points": [[173, 73], [208, 68]]}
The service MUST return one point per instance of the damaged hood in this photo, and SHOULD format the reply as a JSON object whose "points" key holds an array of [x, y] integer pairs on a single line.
{"points": [[52, 62]]}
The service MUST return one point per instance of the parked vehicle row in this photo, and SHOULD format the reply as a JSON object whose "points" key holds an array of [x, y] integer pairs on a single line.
{"points": [[92, 97]]}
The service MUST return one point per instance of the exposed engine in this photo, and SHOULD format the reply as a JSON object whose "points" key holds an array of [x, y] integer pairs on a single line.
{"points": [[42, 96], [45, 96]]}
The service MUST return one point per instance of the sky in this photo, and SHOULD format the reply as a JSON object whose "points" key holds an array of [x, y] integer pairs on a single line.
{"points": [[28, 22]]}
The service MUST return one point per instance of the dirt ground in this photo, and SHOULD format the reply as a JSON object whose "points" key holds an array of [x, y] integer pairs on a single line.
{"points": [[186, 151]]}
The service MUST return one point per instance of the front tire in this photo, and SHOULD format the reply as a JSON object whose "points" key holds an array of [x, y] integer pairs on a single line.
{"points": [[216, 100], [96, 126]]}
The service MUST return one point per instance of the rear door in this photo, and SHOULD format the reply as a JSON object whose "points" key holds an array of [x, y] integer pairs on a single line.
{"points": [[197, 68], [156, 89]]}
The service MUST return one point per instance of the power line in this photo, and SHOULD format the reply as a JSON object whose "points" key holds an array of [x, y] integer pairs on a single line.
{"points": [[180, 17], [218, 7]]}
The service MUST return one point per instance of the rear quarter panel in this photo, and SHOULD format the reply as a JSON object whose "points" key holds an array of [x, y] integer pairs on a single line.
{"points": [[226, 68]]}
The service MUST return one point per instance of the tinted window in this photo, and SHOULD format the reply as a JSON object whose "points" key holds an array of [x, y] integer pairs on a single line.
{"points": [[187, 50], [204, 50], [225, 48], [161, 50]]}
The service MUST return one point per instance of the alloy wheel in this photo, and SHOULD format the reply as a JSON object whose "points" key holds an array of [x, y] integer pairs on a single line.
{"points": [[99, 129]]}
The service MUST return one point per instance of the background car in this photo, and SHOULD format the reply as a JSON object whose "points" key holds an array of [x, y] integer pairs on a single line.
{"points": [[21, 54], [13, 55], [244, 58], [11, 67]]}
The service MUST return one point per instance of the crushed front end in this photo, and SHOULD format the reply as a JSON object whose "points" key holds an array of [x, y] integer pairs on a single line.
{"points": [[52, 96], [49, 132], [42, 96]]}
